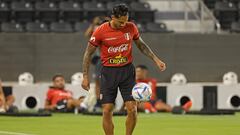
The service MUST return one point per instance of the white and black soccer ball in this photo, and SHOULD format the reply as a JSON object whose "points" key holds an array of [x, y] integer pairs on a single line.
{"points": [[142, 92], [178, 79], [77, 78], [25, 78], [230, 78]]}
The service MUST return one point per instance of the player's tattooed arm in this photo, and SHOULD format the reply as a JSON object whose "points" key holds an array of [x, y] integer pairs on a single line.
{"points": [[87, 58], [146, 50], [86, 64]]}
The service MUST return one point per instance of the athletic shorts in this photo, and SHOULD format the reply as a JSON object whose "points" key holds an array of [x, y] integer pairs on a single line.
{"points": [[62, 105], [112, 78]]}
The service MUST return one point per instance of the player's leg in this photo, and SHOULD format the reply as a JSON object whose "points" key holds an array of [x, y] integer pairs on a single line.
{"points": [[161, 106], [107, 119], [126, 84], [146, 107], [10, 100], [108, 97], [72, 103], [131, 120], [108, 94]]}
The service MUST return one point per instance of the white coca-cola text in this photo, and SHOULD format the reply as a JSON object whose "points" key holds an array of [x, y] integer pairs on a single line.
{"points": [[121, 48]]}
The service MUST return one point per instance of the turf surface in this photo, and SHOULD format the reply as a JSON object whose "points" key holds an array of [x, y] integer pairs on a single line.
{"points": [[148, 124]]}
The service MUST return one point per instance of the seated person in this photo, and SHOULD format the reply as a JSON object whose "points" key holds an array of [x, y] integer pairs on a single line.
{"points": [[6, 100], [154, 104], [60, 99]]}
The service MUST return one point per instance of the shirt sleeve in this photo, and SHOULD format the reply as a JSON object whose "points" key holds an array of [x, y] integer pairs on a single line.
{"points": [[136, 34], [95, 39]]}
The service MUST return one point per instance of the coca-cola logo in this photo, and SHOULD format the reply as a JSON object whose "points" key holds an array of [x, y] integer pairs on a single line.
{"points": [[121, 48]]}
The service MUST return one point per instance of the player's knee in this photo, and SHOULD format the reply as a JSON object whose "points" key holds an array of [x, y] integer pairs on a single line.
{"points": [[132, 111], [70, 103], [107, 110]]}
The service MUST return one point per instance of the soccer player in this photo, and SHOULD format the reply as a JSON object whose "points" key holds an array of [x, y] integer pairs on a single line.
{"points": [[115, 41], [60, 99]]}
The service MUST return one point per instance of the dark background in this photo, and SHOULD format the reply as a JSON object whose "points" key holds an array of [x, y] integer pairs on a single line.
{"points": [[201, 57]]}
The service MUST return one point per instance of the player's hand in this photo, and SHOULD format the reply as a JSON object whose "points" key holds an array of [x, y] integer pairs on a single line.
{"points": [[161, 65], [85, 83]]}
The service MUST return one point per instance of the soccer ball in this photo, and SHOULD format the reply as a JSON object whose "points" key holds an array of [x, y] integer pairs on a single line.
{"points": [[178, 79], [142, 92], [230, 78], [77, 78], [25, 78]]}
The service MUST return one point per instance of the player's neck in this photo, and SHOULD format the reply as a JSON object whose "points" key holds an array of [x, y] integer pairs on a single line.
{"points": [[57, 88], [111, 23]]}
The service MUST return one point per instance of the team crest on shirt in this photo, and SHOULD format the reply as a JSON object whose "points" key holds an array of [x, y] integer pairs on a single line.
{"points": [[127, 36], [92, 39]]}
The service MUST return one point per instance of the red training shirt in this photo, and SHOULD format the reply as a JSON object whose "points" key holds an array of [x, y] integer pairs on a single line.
{"points": [[115, 44], [56, 95]]}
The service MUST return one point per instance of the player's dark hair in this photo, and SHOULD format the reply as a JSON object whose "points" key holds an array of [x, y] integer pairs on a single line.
{"points": [[103, 19], [120, 10], [142, 67], [56, 76]]}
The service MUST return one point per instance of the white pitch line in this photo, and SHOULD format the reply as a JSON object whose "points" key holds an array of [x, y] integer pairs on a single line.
{"points": [[13, 133]]}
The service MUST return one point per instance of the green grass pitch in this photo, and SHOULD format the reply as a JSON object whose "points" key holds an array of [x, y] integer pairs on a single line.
{"points": [[148, 124]]}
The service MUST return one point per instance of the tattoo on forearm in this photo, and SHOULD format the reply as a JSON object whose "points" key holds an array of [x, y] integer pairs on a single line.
{"points": [[145, 49], [87, 58], [86, 63]]}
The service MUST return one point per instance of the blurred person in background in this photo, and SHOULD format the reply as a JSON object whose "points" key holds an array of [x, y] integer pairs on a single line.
{"points": [[97, 21], [154, 104], [6, 100], [60, 99], [96, 61]]}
